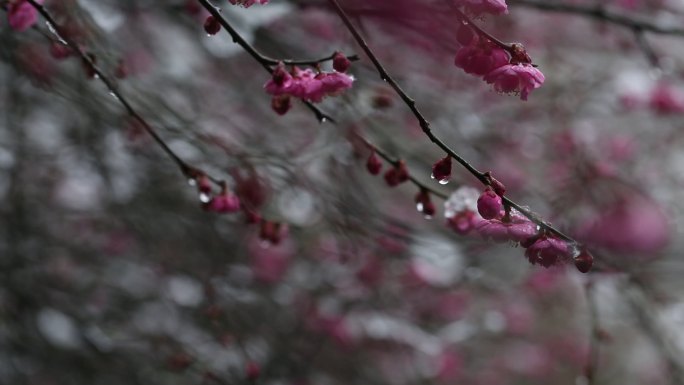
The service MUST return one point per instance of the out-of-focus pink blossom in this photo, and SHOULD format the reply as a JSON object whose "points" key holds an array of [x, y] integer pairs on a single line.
{"points": [[224, 203], [478, 7], [248, 3], [269, 264], [450, 366], [463, 222], [547, 251], [633, 225], [374, 164], [518, 229], [515, 78], [21, 15], [480, 58], [666, 99], [340, 62]]}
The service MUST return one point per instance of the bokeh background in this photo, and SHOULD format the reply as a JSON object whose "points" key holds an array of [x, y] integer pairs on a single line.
{"points": [[111, 272]]}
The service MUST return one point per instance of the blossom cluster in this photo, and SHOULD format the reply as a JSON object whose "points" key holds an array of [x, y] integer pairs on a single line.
{"points": [[466, 212], [507, 67], [307, 84]]}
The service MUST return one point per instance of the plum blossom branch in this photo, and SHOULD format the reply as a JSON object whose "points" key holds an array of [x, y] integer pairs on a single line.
{"points": [[396, 162], [266, 63], [600, 12], [484, 178]]}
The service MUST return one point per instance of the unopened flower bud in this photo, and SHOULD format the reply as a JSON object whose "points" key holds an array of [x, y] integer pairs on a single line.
{"points": [[397, 174], [281, 104], [212, 26], [441, 170], [489, 204], [584, 261], [340, 62], [374, 164]]}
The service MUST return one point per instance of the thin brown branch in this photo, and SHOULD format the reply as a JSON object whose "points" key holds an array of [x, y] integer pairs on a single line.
{"points": [[601, 13], [112, 88]]}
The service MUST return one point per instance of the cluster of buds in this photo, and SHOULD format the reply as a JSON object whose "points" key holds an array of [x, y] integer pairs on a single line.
{"points": [[223, 202]]}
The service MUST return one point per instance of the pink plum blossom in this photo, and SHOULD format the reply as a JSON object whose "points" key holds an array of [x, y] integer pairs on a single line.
{"points": [[306, 84], [224, 203], [480, 58], [547, 251], [666, 99], [515, 78], [518, 229], [21, 14]]}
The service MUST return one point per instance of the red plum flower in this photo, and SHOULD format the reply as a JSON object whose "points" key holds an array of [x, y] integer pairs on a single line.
{"points": [[515, 78]]}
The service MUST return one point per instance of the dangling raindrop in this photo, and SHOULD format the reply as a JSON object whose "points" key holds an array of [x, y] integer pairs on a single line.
{"points": [[443, 181], [420, 206], [204, 197], [192, 182], [324, 119]]}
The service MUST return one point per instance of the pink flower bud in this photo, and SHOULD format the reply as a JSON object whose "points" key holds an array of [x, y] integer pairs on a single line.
{"points": [[212, 25], [224, 203], [203, 184], [121, 71], [373, 164], [340, 62], [441, 170], [281, 104], [59, 51], [489, 204], [397, 175], [272, 232], [252, 371], [584, 261], [424, 203]]}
